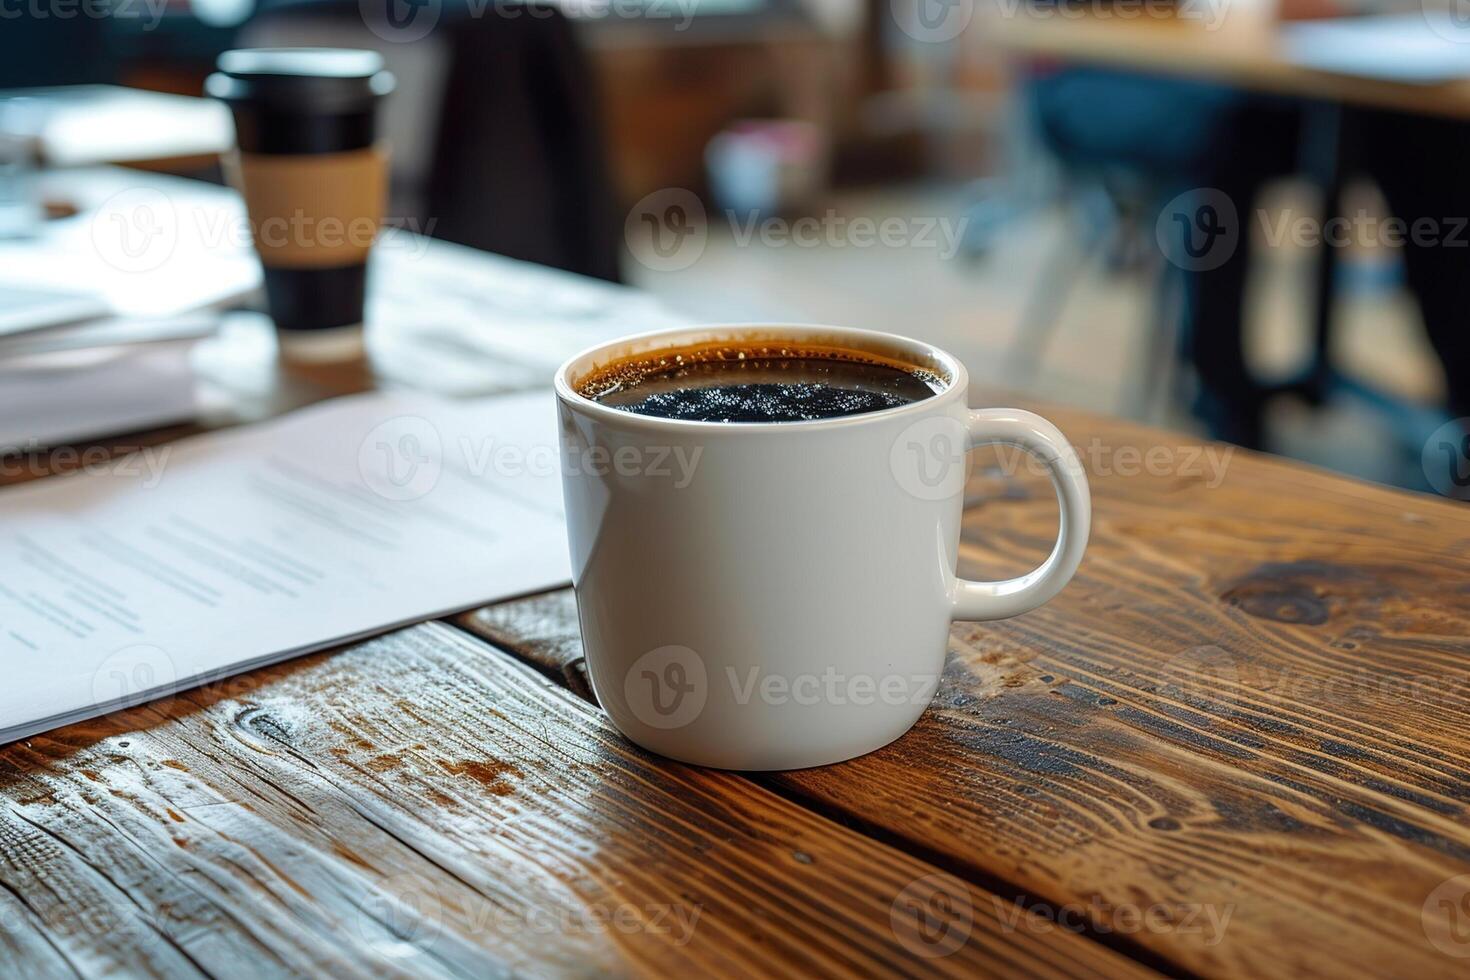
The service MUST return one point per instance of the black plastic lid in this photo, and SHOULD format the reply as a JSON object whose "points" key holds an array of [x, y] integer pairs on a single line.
{"points": [[311, 80]]}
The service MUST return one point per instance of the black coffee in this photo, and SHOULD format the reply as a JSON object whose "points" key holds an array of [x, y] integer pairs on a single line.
{"points": [[759, 384]]}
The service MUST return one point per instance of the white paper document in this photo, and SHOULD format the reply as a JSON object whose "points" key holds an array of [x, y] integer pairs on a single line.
{"points": [[187, 562], [523, 315]]}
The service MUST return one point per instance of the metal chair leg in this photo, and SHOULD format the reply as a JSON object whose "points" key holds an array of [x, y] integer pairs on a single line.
{"points": [[1158, 360], [1049, 294]]}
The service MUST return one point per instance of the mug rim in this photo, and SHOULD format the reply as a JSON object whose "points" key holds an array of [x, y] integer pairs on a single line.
{"points": [[957, 383]]}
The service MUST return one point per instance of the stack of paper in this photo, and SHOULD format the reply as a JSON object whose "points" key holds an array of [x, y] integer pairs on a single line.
{"points": [[69, 371], [111, 357]]}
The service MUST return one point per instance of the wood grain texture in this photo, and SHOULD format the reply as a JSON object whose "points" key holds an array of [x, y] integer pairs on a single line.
{"points": [[1248, 712], [425, 805], [544, 632]]}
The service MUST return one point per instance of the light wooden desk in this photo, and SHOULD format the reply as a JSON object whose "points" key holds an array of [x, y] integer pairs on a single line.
{"points": [[1244, 51], [1236, 745]]}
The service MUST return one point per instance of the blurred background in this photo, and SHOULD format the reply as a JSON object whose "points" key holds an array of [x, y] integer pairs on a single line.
{"points": [[1244, 218]]}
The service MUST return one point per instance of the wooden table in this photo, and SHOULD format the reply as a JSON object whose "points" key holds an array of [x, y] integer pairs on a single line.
{"points": [[1235, 745], [1246, 49], [1243, 45]]}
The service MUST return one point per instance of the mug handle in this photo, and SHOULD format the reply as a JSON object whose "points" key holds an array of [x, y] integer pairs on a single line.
{"points": [[979, 601]]}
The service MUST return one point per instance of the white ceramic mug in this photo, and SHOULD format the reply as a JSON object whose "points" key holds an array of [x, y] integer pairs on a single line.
{"points": [[779, 595]]}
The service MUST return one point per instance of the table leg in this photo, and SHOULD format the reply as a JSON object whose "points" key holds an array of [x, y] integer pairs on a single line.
{"points": [[1325, 157]]}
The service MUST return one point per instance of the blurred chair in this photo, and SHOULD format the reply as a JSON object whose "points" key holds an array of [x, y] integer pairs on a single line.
{"points": [[494, 128], [1111, 212], [1111, 188], [519, 165]]}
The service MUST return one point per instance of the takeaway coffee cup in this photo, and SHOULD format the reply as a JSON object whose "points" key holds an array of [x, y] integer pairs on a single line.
{"points": [[315, 181], [774, 595]]}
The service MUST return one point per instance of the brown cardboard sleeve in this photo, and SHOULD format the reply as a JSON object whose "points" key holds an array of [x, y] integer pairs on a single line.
{"points": [[313, 210]]}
